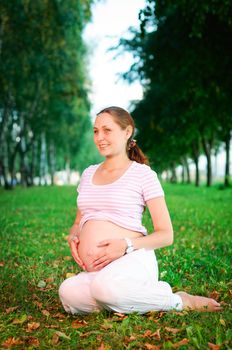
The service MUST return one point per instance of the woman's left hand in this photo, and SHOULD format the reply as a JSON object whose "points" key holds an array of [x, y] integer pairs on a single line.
{"points": [[113, 249]]}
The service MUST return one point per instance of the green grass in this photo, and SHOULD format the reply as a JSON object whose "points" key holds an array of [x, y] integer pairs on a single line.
{"points": [[33, 248]]}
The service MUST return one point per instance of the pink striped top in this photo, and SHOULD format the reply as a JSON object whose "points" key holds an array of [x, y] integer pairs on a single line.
{"points": [[122, 201]]}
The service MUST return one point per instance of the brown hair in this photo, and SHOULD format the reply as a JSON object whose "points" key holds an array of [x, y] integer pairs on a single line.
{"points": [[124, 119]]}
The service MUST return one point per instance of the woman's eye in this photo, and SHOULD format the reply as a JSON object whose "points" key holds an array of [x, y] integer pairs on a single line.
{"points": [[107, 130], [94, 131]]}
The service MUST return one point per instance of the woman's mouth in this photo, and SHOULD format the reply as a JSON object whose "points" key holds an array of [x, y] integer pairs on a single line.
{"points": [[103, 146]]}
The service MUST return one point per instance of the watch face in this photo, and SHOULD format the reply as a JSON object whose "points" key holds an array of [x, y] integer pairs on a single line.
{"points": [[130, 250]]}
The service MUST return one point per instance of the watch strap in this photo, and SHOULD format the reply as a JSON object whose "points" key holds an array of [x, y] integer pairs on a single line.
{"points": [[130, 246]]}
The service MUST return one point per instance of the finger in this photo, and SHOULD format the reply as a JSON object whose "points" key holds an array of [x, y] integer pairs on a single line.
{"points": [[99, 260], [76, 257], [74, 240], [78, 260], [103, 264]]}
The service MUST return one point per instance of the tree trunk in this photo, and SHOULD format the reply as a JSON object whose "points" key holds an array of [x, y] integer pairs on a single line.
{"points": [[23, 154], [187, 170], [33, 161], [227, 165], [3, 174], [173, 178], [5, 166], [197, 176], [43, 160], [195, 155], [12, 164], [182, 173], [207, 146], [52, 161]]}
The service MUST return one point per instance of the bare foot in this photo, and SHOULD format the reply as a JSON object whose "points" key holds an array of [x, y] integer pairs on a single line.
{"points": [[195, 302]]}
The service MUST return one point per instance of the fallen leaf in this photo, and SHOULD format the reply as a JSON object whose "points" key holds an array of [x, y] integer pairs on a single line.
{"points": [[34, 296], [9, 342], [70, 274], [62, 335], [41, 284], [2, 263], [127, 340], [32, 326], [79, 324], [184, 341], [11, 309], [86, 334], [156, 334], [31, 340], [49, 279], [59, 315], [55, 339], [106, 325], [149, 334], [67, 258], [215, 295], [103, 347], [151, 347], [213, 346], [222, 322], [51, 326], [37, 303], [121, 316], [172, 330], [20, 320], [45, 313]]}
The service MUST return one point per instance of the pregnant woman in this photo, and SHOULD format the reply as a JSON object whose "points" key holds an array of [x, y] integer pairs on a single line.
{"points": [[108, 239]]}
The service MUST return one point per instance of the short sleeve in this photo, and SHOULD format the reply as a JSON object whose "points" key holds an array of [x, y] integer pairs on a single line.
{"points": [[81, 180], [151, 187]]}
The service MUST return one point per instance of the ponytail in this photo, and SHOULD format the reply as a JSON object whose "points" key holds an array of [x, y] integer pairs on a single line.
{"points": [[135, 153]]}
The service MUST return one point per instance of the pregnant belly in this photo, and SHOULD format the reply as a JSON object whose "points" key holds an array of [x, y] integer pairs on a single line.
{"points": [[95, 231]]}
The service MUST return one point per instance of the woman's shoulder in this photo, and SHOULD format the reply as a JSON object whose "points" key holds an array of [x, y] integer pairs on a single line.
{"points": [[90, 169], [144, 169]]}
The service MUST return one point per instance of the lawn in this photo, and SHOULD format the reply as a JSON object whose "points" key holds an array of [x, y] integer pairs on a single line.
{"points": [[35, 258]]}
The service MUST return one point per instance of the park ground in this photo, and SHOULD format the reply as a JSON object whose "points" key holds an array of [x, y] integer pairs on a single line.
{"points": [[35, 259]]}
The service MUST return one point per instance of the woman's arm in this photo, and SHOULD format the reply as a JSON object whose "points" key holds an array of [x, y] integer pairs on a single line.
{"points": [[161, 237], [163, 231], [74, 230], [73, 240]]}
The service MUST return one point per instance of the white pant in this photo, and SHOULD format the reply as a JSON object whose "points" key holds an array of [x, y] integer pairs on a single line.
{"points": [[128, 284]]}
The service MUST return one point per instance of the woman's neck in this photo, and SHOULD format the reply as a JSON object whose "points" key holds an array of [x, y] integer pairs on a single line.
{"points": [[117, 162]]}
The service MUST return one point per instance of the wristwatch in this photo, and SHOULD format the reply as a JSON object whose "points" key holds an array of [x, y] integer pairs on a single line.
{"points": [[130, 246]]}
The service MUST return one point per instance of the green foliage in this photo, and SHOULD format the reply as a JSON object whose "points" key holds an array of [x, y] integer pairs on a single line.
{"points": [[182, 57], [43, 79], [35, 259]]}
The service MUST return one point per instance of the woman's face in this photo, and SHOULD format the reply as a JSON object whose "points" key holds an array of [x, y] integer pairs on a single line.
{"points": [[109, 137]]}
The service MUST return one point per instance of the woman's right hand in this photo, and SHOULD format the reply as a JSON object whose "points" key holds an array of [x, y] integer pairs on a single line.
{"points": [[73, 242]]}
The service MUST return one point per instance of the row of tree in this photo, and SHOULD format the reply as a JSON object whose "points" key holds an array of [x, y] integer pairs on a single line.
{"points": [[44, 108], [183, 59]]}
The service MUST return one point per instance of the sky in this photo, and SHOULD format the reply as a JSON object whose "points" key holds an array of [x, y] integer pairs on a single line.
{"points": [[110, 21]]}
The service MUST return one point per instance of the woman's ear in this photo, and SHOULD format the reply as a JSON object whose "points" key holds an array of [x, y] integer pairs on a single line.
{"points": [[129, 131]]}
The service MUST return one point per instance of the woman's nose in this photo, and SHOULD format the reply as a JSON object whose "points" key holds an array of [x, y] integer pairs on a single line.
{"points": [[100, 136]]}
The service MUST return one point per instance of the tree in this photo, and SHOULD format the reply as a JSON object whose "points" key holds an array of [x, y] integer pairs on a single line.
{"points": [[184, 55], [43, 99]]}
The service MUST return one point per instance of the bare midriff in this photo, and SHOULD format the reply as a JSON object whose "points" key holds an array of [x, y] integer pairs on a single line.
{"points": [[95, 231]]}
